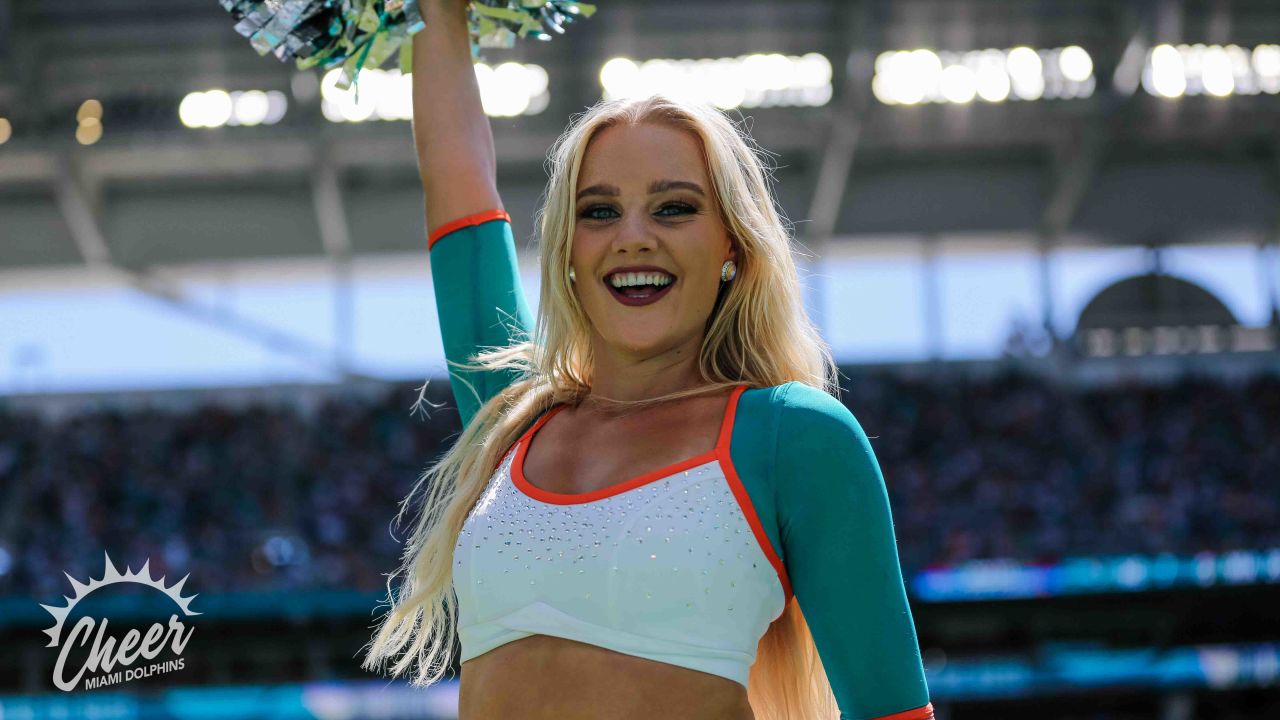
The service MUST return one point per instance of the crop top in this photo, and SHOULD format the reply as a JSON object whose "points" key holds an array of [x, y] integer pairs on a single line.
{"points": [[690, 563]]}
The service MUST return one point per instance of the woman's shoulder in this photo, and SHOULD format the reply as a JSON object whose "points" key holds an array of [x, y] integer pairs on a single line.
{"points": [[796, 446], [795, 405], [798, 429]]}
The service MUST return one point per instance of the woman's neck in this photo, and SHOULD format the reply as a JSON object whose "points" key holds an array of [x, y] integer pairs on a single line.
{"points": [[632, 378]]}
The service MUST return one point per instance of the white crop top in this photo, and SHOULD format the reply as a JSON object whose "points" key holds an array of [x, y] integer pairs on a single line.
{"points": [[663, 566]]}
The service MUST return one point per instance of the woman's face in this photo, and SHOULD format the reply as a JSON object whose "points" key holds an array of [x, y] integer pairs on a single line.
{"points": [[644, 199]]}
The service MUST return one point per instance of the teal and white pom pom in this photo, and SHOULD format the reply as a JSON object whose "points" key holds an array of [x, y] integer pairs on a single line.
{"points": [[363, 33]]}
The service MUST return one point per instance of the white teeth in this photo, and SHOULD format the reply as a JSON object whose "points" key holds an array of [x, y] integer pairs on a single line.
{"points": [[619, 280]]}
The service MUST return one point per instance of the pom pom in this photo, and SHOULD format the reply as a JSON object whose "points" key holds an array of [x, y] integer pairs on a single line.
{"points": [[359, 33]]}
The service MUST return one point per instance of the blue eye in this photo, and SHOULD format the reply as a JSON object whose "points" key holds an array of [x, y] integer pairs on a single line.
{"points": [[682, 207], [587, 213]]}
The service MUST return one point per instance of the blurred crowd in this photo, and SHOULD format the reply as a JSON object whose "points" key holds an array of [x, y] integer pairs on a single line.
{"points": [[273, 497]]}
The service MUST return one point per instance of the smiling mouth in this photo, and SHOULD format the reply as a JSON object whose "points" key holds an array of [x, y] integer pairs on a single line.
{"points": [[640, 294]]}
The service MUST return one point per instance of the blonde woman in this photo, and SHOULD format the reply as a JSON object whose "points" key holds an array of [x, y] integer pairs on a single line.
{"points": [[649, 487]]}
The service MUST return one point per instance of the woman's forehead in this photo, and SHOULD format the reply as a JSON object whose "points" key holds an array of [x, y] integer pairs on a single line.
{"points": [[635, 157]]}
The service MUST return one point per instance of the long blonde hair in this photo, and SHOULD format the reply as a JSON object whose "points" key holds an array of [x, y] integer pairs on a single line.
{"points": [[758, 334]]}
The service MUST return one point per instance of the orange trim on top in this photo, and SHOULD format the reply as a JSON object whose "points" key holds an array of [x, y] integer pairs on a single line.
{"points": [[515, 444], [721, 453], [744, 499], [522, 483], [920, 713], [726, 425], [473, 219]]}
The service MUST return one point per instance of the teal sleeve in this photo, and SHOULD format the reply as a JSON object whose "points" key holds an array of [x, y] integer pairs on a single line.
{"points": [[480, 303], [841, 555]]}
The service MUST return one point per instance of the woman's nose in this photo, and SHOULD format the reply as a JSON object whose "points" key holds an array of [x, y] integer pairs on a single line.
{"points": [[635, 232]]}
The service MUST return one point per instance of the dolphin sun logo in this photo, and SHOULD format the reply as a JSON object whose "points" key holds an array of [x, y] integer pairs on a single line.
{"points": [[110, 659]]}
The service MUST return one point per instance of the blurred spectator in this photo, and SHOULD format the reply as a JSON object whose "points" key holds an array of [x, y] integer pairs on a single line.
{"points": [[274, 498]]}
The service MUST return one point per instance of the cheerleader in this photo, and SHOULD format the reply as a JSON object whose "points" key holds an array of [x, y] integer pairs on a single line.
{"points": [[653, 476]]}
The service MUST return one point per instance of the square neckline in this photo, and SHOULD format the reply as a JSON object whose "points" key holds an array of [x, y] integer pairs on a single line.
{"points": [[720, 451]]}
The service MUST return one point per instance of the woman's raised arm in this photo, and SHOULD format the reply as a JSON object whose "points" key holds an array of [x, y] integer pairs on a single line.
{"points": [[456, 159], [479, 299]]}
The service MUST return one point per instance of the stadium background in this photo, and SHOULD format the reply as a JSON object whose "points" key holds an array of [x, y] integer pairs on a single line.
{"points": [[1042, 238]]}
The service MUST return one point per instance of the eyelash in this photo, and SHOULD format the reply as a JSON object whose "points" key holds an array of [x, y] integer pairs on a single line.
{"points": [[586, 213]]}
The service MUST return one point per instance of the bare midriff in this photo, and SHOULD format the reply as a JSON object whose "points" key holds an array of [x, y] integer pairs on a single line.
{"points": [[550, 678]]}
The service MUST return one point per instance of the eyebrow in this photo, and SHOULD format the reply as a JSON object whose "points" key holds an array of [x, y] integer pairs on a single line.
{"points": [[656, 186]]}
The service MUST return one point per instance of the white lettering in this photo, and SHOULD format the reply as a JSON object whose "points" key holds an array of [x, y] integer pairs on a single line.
{"points": [[106, 652], [83, 627], [130, 640], [179, 641], [150, 646]]}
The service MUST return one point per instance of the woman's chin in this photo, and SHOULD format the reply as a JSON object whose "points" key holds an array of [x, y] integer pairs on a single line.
{"points": [[640, 340]]}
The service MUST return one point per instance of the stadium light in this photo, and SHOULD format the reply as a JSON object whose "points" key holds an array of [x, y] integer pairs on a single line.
{"points": [[1075, 63], [910, 77], [1173, 71], [755, 80], [88, 122], [90, 108], [1216, 72], [511, 88], [506, 90], [251, 107], [1266, 67], [1164, 74], [1026, 73], [959, 84], [89, 131], [217, 108], [993, 78], [211, 108]]}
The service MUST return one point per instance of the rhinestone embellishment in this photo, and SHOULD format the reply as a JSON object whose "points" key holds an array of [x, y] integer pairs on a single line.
{"points": [[513, 552]]}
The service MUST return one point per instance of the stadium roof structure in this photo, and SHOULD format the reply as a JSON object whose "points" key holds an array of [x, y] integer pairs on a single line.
{"points": [[1118, 166], [1116, 163]]}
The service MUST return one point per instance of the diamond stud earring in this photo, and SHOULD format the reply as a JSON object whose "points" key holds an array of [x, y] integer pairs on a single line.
{"points": [[572, 276]]}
